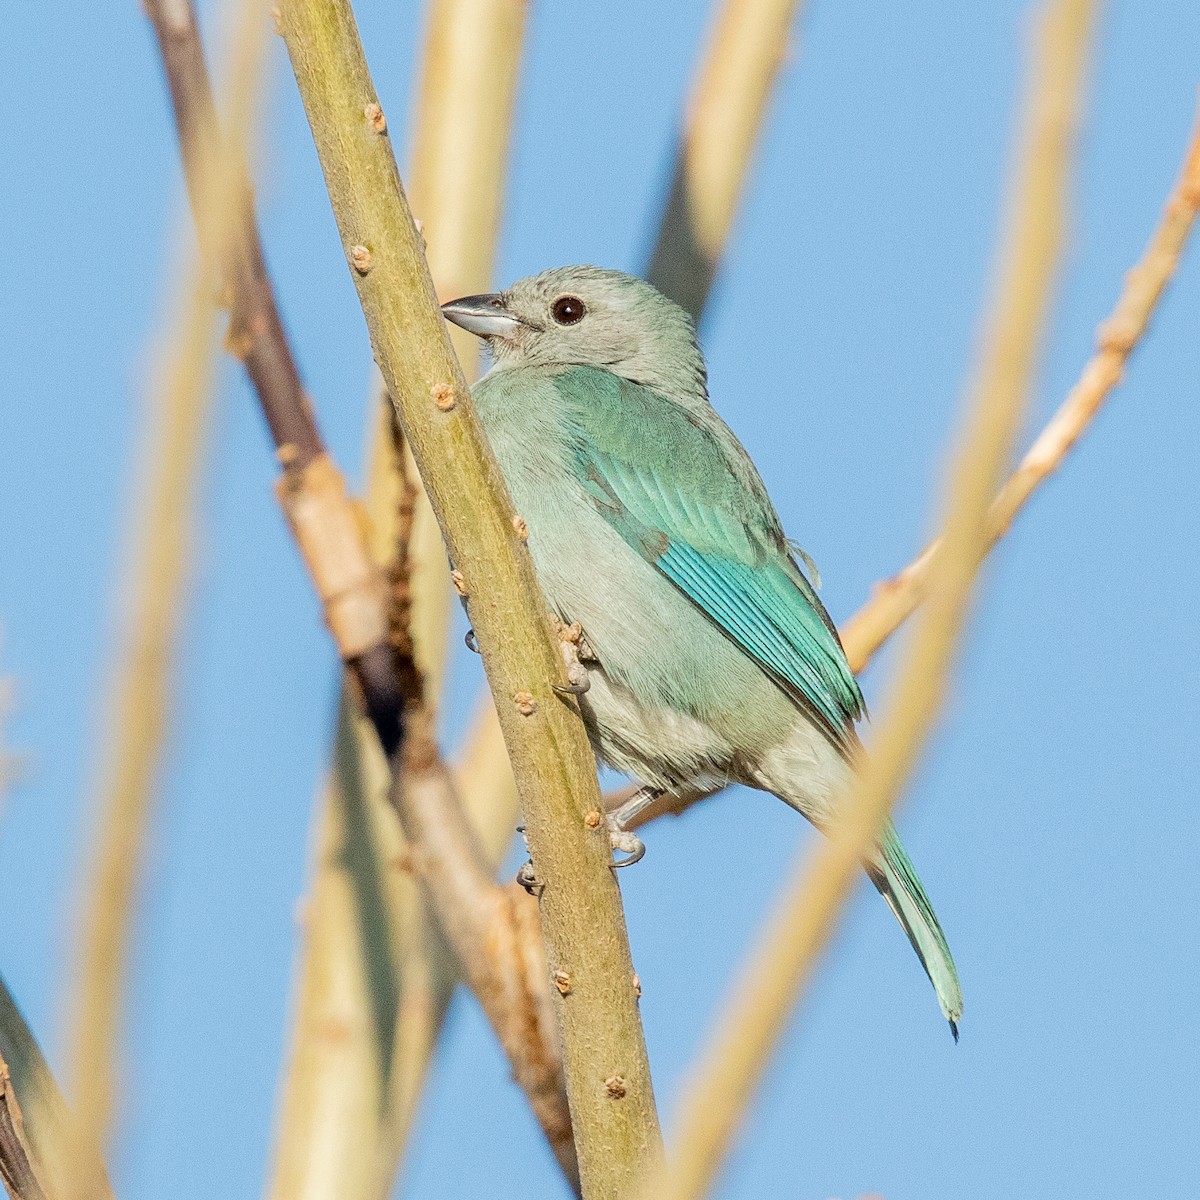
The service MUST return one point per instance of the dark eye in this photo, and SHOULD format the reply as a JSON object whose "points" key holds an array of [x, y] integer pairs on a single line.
{"points": [[568, 310]]}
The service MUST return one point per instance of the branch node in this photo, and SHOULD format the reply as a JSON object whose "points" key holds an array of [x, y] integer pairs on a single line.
{"points": [[518, 523], [360, 258], [444, 396], [562, 981], [526, 704], [375, 117], [593, 819], [614, 1085], [460, 584]]}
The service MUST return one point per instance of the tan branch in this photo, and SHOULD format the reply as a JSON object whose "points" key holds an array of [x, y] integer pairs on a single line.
{"points": [[312, 490], [581, 910], [154, 594], [748, 44], [728, 1072], [897, 598]]}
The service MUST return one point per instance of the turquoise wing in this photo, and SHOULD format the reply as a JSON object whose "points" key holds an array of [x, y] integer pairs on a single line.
{"points": [[689, 501]]}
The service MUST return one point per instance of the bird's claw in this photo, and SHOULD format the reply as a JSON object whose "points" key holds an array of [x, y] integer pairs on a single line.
{"points": [[472, 644], [627, 842], [528, 879], [578, 680]]}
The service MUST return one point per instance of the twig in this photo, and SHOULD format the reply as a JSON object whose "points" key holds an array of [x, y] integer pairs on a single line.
{"points": [[616, 1135], [897, 598], [311, 490], [347, 1105], [747, 45], [727, 1073]]}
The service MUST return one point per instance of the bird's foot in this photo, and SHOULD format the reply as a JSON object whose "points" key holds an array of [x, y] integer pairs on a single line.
{"points": [[626, 841], [578, 679], [528, 879], [472, 644], [623, 838]]}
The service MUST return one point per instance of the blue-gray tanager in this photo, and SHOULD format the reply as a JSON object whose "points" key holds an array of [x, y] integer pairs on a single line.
{"points": [[709, 657]]}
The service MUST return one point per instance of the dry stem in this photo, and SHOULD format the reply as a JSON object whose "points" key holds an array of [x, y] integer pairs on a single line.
{"points": [[154, 595], [725, 1078], [747, 45], [897, 598], [581, 909], [312, 490]]}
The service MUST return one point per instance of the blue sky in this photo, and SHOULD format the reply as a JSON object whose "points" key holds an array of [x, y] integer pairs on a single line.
{"points": [[1054, 819]]}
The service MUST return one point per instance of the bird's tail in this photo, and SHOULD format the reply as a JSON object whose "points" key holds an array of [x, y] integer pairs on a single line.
{"points": [[897, 881]]}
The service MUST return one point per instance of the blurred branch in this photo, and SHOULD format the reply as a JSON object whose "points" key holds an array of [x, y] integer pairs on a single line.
{"points": [[154, 590], [729, 1070], [898, 597], [616, 1129], [461, 138], [332, 1135], [747, 45]]}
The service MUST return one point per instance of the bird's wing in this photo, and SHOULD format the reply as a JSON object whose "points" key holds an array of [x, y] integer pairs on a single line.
{"points": [[697, 511]]}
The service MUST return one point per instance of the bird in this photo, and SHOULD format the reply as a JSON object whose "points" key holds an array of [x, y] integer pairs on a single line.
{"points": [[709, 657]]}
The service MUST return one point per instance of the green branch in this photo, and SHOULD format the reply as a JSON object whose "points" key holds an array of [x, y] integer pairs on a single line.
{"points": [[608, 1078]]}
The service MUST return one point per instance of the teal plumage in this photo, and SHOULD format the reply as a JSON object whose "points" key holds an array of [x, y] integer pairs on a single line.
{"points": [[709, 654]]}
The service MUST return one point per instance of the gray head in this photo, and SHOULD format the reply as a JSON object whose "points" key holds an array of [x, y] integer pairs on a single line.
{"points": [[587, 316]]}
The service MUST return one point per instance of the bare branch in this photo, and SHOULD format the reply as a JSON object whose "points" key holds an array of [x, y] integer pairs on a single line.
{"points": [[728, 1072], [312, 490], [582, 919], [897, 598], [747, 45]]}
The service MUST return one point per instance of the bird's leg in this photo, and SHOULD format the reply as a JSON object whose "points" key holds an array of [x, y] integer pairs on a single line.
{"points": [[527, 876], [570, 638], [625, 839]]}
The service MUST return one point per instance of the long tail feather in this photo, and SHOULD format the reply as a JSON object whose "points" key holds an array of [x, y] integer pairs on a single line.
{"points": [[897, 881]]}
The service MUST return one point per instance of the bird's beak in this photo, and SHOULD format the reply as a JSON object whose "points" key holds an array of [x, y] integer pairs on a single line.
{"points": [[484, 316]]}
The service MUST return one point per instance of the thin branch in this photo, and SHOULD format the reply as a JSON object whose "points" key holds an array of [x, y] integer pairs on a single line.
{"points": [[729, 1071], [616, 1127], [748, 44], [312, 491], [897, 598]]}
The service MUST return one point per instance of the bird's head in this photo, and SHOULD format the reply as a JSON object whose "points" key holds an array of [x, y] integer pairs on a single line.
{"points": [[587, 316]]}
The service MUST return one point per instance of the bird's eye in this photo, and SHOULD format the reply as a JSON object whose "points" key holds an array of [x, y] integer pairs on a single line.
{"points": [[568, 310]]}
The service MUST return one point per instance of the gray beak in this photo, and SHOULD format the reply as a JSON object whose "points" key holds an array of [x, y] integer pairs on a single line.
{"points": [[484, 316]]}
